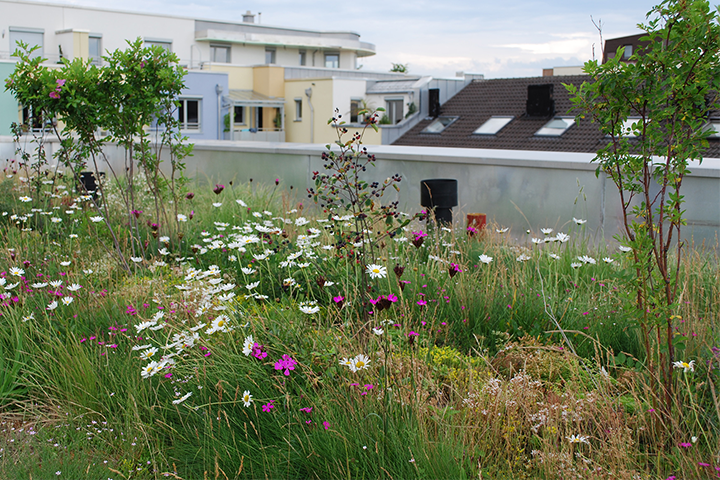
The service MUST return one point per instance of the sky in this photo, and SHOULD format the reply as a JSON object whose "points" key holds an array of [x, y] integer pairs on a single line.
{"points": [[498, 38]]}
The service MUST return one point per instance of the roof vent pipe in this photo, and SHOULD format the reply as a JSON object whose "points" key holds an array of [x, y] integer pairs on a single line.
{"points": [[248, 17]]}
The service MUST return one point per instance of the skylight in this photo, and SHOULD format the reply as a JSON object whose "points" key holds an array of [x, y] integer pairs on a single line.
{"points": [[627, 127], [556, 127], [439, 124], [493, 125], [714, 127], [626, 130]]}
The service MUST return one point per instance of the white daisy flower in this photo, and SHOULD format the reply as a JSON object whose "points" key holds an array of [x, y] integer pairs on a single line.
{"points": [[485, 259], [247, 398], [376, 271], [182, 399]]}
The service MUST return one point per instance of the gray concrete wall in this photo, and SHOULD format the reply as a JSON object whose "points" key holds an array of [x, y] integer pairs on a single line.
{"points": [[518, 189]]}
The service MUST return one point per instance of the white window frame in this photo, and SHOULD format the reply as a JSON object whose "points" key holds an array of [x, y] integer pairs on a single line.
{"points": [[493, 125], [165, 43], [332, 54], [389, 109], [40, 52], [433, 130], [358, 118], [96, 60], [627, 53], [243, 115], [298, 110], [713, 126], [45, 124], [302, 58], [273, 56], [182, 109], [221, 46], [549, 130]]}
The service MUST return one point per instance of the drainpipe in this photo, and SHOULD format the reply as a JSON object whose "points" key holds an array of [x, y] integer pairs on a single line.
{"points": [[218, 91], [308, 93]]}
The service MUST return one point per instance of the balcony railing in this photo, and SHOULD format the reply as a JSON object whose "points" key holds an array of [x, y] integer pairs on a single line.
{"points": [[261, 135]]}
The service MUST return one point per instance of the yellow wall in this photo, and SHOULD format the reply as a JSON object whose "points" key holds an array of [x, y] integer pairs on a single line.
{"points": [[81, 47], [300, 131], [323, 102], [269, 80], [239, 78]]}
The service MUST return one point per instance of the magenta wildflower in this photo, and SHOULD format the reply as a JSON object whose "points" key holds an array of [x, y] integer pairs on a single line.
{"points": [[306, 409], [258, 352], [60, 82], [454, 269], [286, 363], [54, 94], [326, 425], [218, 188], [268, 406], [685, 445]]}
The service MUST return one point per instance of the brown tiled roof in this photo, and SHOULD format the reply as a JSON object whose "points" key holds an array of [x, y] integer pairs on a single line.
{"points": [[479, 101]]}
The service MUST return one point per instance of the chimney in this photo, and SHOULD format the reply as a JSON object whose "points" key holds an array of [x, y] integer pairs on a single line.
{"points": [[540, 102], [248, 17]]}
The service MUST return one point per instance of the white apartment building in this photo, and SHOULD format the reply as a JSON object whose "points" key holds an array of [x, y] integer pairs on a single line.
{"points": [[246, 81]]}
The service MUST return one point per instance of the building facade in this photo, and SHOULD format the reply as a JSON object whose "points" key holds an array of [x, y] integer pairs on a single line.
{"points": [[246, 80]]}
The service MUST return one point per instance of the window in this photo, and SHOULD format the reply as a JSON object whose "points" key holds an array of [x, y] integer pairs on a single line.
{"points": [[628, 51], [332, 60], [298, 109], [626, 130], [627, 127], [269, 56], [31, 36], [555, 127], [189, 114], [95, 48], [394, 110], [493, 125], [713, 126], [439, 124], [220, 53], [33, 122], [303, 58], [355, 107], [158, 42], [239, 115]]}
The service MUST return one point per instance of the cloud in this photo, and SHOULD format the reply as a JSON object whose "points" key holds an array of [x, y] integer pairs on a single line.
{"points": [[497, 38], [572, 44]]}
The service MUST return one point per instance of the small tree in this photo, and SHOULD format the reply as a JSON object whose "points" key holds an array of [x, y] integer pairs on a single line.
{"points": [[653, 109], [399, 68], [138, 88]]}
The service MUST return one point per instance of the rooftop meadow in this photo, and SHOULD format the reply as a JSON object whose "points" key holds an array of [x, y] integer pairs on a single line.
{"points": [[244, 347], [155, 326]]}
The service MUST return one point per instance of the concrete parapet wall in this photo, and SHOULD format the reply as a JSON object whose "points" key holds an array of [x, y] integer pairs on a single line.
{"points": [[518, 189]]}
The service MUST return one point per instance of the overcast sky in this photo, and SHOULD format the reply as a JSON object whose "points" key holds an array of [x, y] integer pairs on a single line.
{"points": [[499, 38]]}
